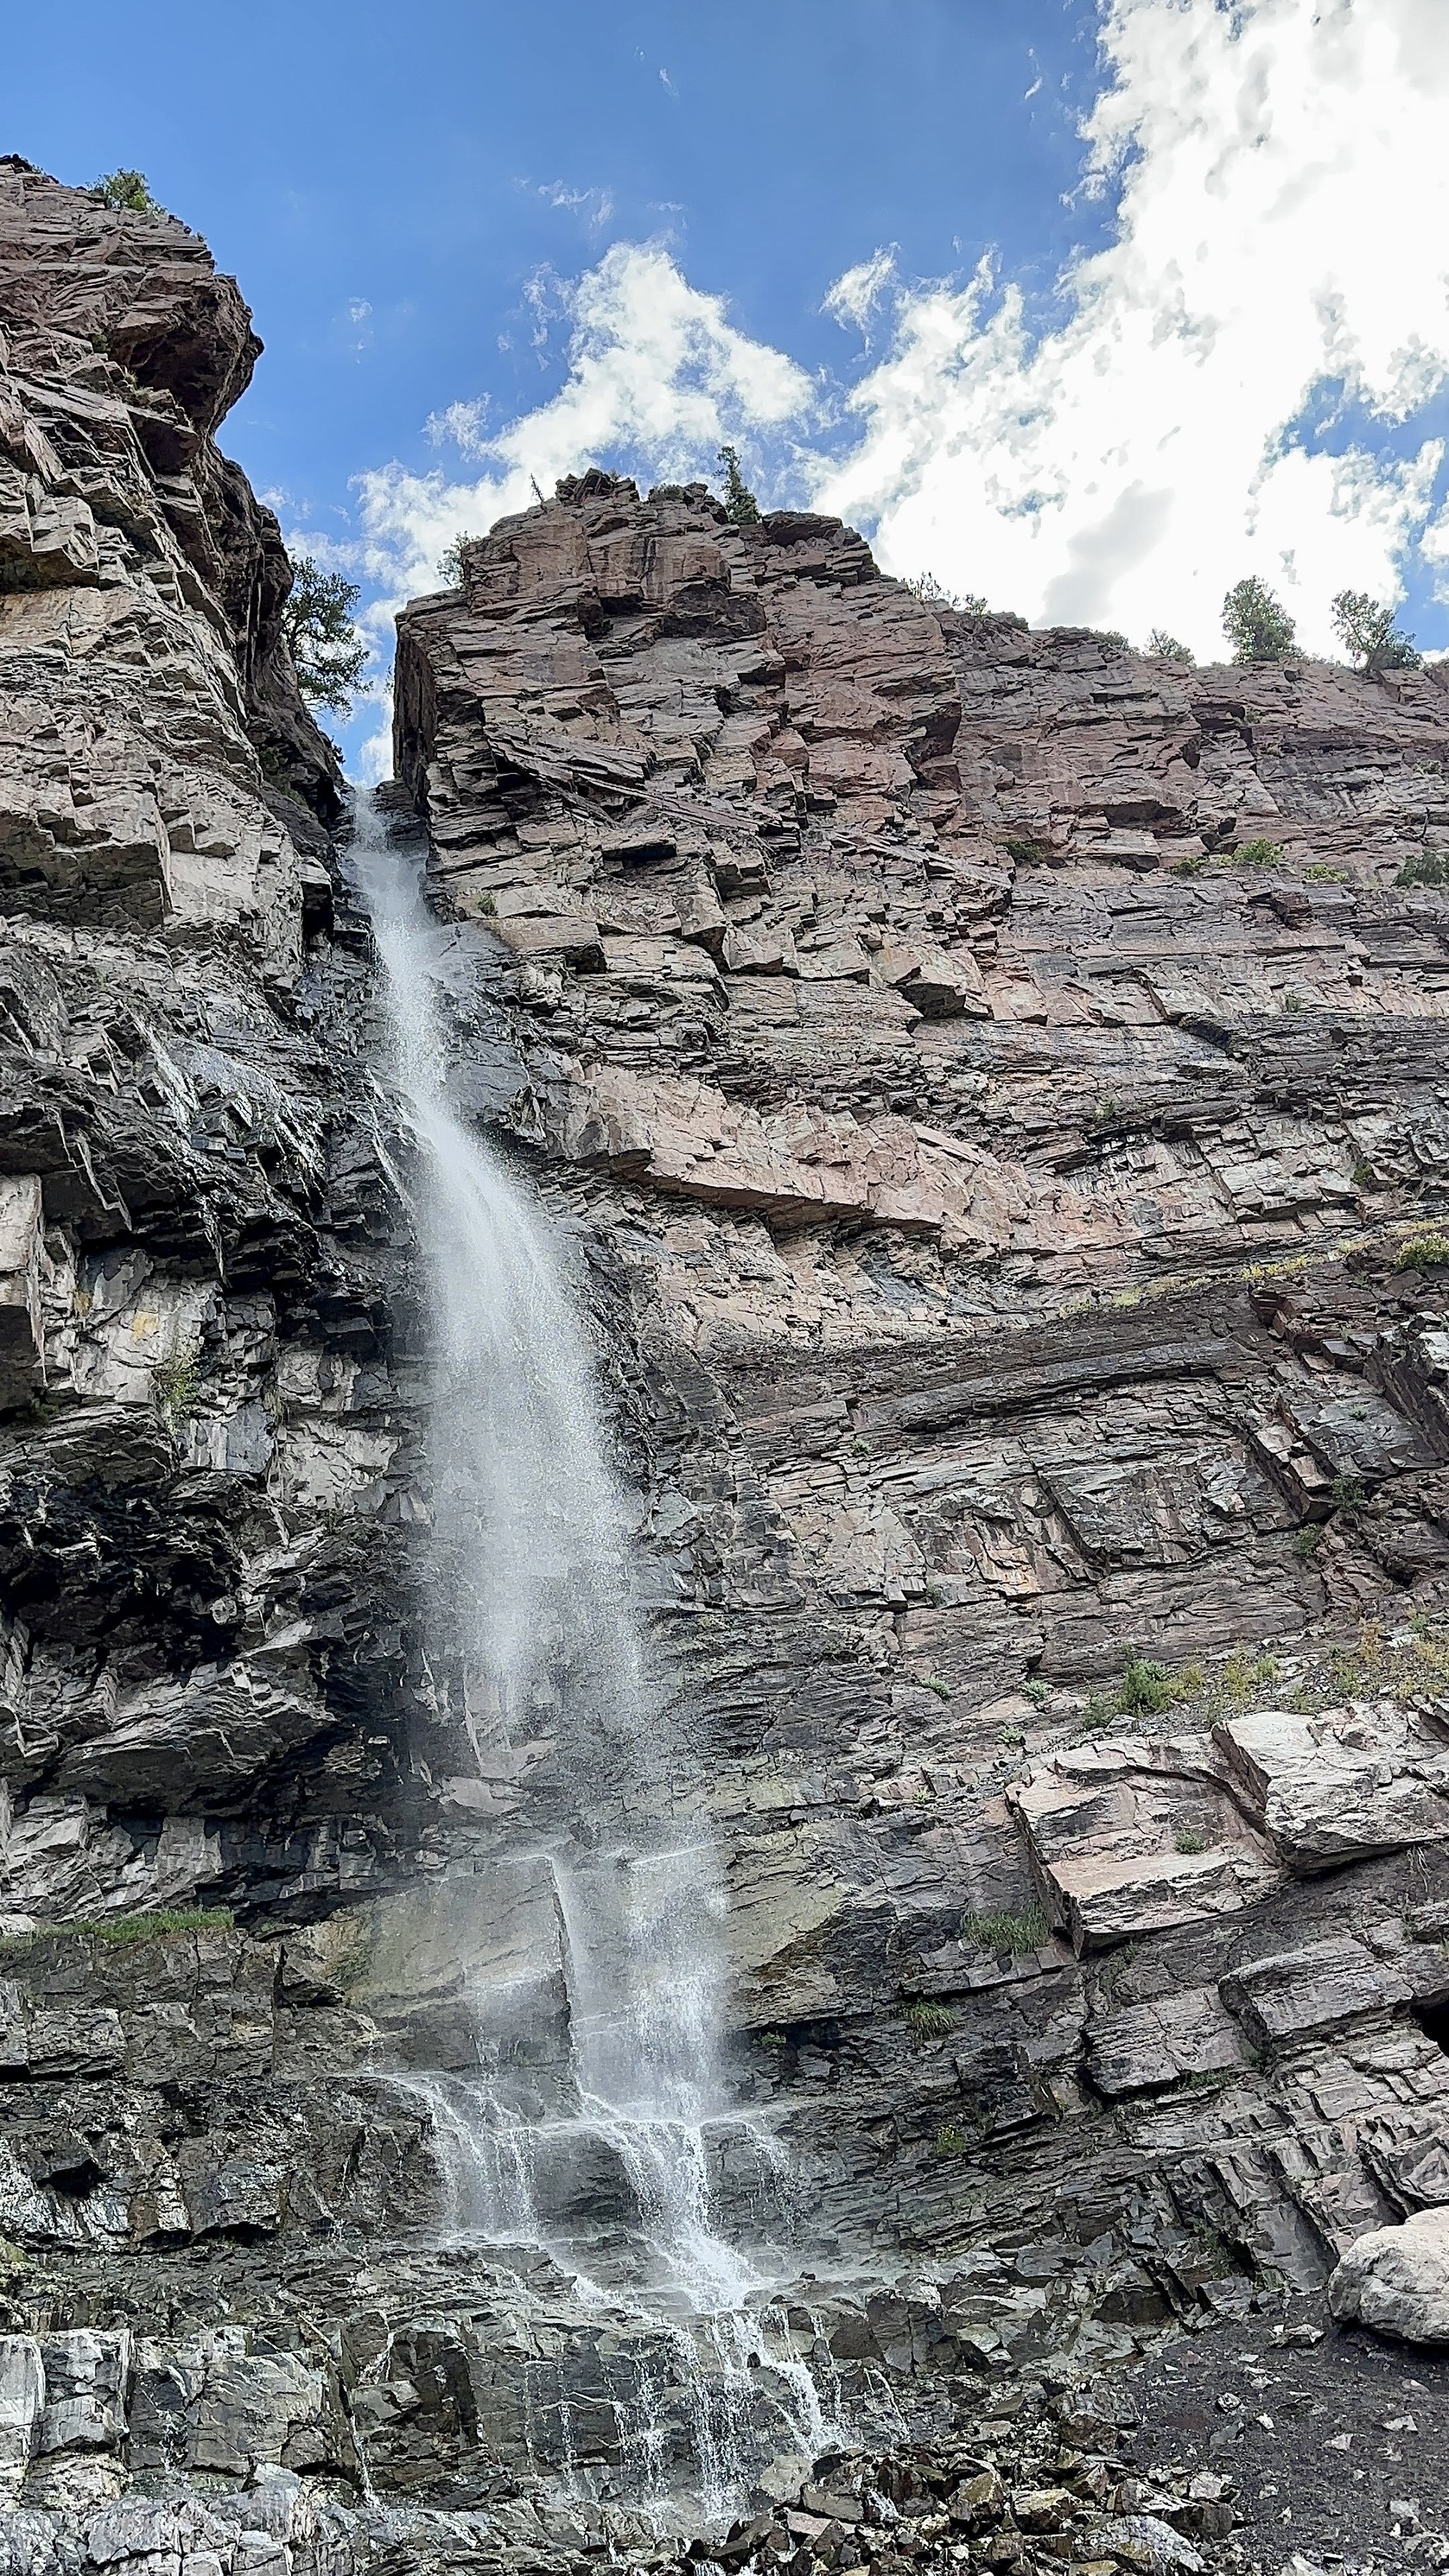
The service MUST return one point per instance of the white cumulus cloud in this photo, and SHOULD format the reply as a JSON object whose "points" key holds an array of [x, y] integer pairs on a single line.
{"points": [[1236, 382], [657, 377], [1282, 229]]}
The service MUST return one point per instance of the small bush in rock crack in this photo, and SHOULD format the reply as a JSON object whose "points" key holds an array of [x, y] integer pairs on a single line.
{"points": [[930, 2021], [176, 1384], [1007, 1935], [1425, 868], [1424, 1251]]}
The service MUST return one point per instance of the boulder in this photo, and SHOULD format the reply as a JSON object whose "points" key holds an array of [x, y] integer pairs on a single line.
{"points": [[1396, 2279]]}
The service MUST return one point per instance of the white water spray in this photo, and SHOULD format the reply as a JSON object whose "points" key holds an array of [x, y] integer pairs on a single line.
{"points": [[532, 1570]]}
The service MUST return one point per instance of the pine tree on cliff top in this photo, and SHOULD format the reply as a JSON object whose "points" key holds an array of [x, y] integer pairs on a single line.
{"points": [[740, 503], [1257, 625], [1366, 628], [126, 190]]}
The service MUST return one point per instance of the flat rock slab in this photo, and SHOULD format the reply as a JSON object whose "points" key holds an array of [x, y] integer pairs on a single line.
{"points": [[1159, 2043], [1130, 1836], [1341, 1783], [1302, 1994]]}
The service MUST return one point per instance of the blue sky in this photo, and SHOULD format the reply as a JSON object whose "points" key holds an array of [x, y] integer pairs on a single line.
{"points": [[1212, 332], [420, 159]]}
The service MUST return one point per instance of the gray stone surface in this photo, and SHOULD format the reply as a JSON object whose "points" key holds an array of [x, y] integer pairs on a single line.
{"points": [[1397, 2279]]}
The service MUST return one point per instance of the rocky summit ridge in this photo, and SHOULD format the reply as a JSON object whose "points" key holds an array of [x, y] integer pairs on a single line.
{"points": [[990, 1086]]}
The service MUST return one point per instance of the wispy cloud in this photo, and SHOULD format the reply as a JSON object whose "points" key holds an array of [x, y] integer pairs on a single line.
{"points": [[597, 204], [853, 298], [461, 425]]}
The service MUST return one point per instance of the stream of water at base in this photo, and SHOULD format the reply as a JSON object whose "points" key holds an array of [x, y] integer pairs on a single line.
{"points": [[531, 1575]]}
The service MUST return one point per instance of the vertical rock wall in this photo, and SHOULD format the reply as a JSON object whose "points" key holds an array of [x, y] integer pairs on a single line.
{"points": [[991, 1089], [1005, 1075]]}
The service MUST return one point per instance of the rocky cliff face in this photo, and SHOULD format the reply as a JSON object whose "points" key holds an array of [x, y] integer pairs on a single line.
{"points": [[991, 1086]]}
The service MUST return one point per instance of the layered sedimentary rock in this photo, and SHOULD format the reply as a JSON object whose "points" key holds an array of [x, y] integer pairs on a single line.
{"points": [[197, 1671], [1006, 1073], [991, 1087]]}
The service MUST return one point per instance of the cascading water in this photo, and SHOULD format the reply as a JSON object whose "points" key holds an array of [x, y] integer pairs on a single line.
{"points": [[532, 1580]]}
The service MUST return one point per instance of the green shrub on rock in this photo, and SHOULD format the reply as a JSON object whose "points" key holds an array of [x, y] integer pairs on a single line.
{"points": [[933, 594], [126, 192], [1426, 1251], [176, 1384], [930, 2021], [1366, 628], [1004, 1934], [450, 561], [1425, 868], [1146, 1687]]}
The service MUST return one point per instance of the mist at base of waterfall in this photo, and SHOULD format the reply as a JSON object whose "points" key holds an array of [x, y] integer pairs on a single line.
{"points": [[530, 1615]]}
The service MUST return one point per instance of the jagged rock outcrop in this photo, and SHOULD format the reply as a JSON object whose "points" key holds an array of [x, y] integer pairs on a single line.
{"points": [[123, 350], [991, 1086], [187, 1341]]}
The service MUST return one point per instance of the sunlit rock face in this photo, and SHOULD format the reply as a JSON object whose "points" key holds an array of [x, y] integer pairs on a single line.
{"points": [[986, 1089]]}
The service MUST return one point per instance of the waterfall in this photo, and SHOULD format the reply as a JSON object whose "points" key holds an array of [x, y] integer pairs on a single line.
{"points": [[531, 1590]]}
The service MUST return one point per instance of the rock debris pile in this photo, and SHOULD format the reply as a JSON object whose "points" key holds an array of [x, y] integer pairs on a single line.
{"points": [[1027, 2496]]}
